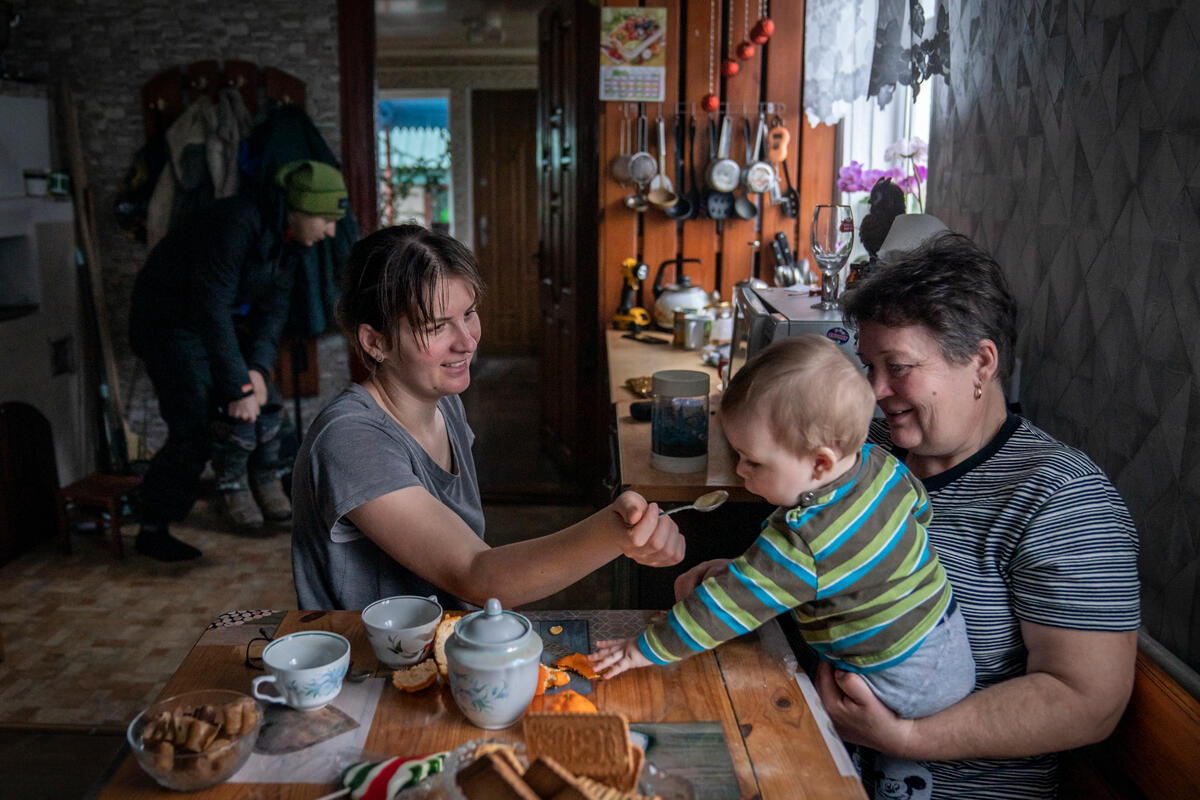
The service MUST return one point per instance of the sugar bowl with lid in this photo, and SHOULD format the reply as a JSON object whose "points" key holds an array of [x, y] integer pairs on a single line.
{"points": [[492, 659]]}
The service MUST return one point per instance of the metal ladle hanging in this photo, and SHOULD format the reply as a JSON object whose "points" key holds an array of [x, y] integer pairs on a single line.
{"points": [[662, 191]]}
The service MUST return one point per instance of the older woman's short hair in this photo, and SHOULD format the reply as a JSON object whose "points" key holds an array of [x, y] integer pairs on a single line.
{"points": [[950, 286], [397, 273], [809, 392]]}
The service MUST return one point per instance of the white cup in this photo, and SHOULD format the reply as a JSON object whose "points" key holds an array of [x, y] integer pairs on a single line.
{"points": [[401, 628], [306, 668]]}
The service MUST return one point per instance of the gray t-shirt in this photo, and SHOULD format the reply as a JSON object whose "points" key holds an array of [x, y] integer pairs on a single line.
{"points": [[353, 453]]}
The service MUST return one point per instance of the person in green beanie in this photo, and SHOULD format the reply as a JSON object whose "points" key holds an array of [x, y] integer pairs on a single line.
{"points": [[207, 313]]}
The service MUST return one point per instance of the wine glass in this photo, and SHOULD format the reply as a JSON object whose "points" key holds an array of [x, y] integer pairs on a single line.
{"points": [[832, 240]]}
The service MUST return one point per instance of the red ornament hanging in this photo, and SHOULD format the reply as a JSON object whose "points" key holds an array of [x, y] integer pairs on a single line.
{"points": [[730, 67], [711, 102], [745, 50], [764, 28]]}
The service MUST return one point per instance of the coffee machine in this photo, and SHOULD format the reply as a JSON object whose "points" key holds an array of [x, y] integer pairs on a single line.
{"points": [[763, 315]]}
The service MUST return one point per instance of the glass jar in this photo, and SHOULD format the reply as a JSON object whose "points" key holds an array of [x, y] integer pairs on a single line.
{"points": [[679, 421], [722, 329]]}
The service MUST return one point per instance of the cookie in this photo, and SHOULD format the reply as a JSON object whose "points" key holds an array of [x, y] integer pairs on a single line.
{"points": [[595, 745]]}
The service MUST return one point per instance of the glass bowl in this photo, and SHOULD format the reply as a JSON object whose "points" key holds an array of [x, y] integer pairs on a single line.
{"points": [[178, 767]]}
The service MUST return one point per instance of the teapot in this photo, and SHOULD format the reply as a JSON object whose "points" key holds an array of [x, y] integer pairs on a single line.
{"points": [[492, 660], [682, 294]]}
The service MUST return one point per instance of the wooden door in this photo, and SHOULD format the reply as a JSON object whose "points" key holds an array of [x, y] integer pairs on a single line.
{"points": [[503, 136], [568, 74]]}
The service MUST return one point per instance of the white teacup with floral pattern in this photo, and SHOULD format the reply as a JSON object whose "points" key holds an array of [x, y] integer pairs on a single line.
{"points": [[402, 628], [307, 669]]}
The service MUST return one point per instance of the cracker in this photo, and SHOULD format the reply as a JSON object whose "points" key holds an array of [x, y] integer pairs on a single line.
{"points": [[595, 745], [415, 678], [444, 629]]}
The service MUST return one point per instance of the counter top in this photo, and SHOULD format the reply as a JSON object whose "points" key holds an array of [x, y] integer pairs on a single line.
{"points": [[630, 359]]}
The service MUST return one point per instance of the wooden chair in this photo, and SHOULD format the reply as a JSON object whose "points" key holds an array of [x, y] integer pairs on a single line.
{"points": [[99, 498], [32, 505], [1154, 751], [29, 507]]}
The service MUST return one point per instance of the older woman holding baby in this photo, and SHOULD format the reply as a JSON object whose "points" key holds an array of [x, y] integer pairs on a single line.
{"points": [[1039, 548], [385, 496], [1038, 545]]}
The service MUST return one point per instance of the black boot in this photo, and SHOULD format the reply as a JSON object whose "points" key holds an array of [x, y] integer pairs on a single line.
{"points": [[155, 541]]}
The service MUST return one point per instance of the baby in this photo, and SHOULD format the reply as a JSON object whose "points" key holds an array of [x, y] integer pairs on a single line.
{"points": [[846, 551]]}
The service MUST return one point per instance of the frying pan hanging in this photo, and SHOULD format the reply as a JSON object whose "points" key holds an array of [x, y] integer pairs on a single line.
{"points": [[758, 175], [723, 172], [743, 206], [717, 203]]}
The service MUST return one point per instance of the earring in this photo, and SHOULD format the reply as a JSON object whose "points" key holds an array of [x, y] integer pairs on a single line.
{"points": [[378, 359], [978, 391]]}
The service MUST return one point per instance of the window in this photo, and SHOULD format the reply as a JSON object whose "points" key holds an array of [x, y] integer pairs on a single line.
{"points": [[414, 160]]}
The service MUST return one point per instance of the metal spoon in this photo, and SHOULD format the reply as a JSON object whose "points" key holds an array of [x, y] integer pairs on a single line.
{"points": [[705, 502], [358, 675]]}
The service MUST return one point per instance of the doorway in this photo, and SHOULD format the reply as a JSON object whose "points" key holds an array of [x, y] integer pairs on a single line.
{"points": [[503, 401]]}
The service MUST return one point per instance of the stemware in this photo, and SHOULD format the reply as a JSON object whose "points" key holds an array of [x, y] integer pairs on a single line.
{"points": [[832, 241]]}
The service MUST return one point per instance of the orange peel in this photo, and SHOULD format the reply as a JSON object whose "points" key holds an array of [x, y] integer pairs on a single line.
{"points": [[579, 664]]}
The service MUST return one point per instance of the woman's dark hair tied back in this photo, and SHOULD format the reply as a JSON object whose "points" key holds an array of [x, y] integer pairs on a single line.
{"points": [[396, 273], [949, 285]]}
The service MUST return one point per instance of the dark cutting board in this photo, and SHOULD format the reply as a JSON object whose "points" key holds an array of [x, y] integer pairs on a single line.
{"points": [[573, 638]]}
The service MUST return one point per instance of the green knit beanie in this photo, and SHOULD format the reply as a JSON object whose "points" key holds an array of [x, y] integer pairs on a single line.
{"points": [[313, 188]]}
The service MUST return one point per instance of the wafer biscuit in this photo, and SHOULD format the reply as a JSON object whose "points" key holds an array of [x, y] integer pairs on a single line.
{"points": [[490, 777], [547, 777], [594, 790], [595, 745], [503, 751]]}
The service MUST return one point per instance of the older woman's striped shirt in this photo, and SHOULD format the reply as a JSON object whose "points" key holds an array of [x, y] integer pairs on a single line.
{"points": [[1029, 530], [853, 563]]}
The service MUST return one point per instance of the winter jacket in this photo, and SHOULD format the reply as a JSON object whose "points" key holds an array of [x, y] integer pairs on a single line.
{"points": [[227, 259]]}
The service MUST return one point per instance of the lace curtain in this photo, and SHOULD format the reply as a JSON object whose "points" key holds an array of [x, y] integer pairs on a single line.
{"points": [[866, 48]]}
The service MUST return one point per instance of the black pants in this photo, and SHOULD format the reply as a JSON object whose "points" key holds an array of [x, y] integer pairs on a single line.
{"points": [[198, 429]]}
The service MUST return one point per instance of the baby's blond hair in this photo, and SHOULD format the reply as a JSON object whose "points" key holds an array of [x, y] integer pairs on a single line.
{"points": [[811, 394]]}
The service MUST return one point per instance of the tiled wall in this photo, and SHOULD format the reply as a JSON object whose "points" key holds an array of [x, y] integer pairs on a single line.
{"points": [[106, 50], [1067, 142]]}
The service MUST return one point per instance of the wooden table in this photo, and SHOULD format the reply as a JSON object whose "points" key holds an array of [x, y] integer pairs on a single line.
{"points": [[748, 686]]}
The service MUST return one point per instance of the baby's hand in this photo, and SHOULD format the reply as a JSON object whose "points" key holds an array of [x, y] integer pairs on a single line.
{"points": [[614, 656]]}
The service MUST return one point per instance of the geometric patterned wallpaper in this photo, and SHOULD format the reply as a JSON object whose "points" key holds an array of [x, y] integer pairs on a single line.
{"points": [[1067, 142]]}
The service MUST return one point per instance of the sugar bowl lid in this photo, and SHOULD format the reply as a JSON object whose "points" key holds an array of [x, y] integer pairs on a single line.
{"points": [[493, 627]]}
